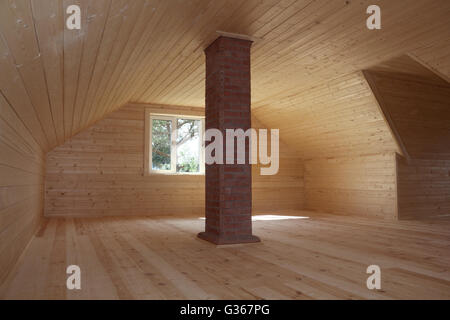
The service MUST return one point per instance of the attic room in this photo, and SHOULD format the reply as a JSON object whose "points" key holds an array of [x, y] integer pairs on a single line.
{"points": [[110, 187]]}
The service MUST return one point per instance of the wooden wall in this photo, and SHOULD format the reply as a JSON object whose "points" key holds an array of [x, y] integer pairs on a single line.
{"points": [[415, 96], [283, 191], [339, 130], [417, 103], [99, 172], [363, 186], [21, 186], [423, 188], [338, 118]]}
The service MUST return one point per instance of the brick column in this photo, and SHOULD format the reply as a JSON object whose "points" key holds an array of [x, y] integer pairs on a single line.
{"points": [[228, 186]]}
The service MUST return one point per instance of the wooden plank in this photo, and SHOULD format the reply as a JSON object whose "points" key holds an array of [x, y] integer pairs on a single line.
{"points": [[323, 257], [17, 28], [49, 23], [101, 172]]}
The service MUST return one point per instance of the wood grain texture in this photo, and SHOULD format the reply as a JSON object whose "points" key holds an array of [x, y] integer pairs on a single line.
{"points": [[363, 186], [152, 51], [324, 257], [21, 186], [435, 57], [423, 188], [338, 118], [306, 81], [284, 190], [417, 102], [100, 172]]}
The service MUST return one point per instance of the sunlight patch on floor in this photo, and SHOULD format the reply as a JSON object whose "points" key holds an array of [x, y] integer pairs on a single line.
{"points": [[270, 217]]}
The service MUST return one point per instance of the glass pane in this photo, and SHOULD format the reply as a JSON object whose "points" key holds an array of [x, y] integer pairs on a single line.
{"points": [[188, 145], [161, 137]]}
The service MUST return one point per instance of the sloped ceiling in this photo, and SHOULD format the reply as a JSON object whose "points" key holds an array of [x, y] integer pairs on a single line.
{"points": [[417, 104], [338, 118], [59, 81]]}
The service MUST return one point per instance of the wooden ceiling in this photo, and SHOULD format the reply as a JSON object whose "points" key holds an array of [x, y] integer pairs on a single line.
{"points": [[416, 103], [406, 66], [59, 81], [338, 118]]}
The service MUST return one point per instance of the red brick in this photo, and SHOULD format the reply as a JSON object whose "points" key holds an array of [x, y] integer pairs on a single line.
{"points": [[228, 187]]}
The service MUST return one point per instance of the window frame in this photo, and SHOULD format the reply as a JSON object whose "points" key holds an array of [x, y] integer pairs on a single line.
{"points": [[150, 116]]}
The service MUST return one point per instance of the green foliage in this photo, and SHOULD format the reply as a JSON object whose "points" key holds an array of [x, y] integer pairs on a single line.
{"points": [[188, 130], [187, 151], [161, 134], [191, 165]]}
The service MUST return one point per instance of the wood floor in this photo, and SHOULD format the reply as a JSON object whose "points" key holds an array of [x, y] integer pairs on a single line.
{"points": [[323, 257]]}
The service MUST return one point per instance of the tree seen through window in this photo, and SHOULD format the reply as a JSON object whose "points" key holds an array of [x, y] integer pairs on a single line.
{"points": [[184, 145]]}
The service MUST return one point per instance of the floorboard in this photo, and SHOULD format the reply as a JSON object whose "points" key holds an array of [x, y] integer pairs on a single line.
{"points": [[319, 257]]}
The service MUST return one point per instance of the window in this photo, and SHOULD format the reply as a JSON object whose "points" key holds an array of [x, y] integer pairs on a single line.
{"points": [[176, 144]]}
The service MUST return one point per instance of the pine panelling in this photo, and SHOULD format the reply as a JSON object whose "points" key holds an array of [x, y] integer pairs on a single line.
{"points": [[100, 172], [96, 19], [423, 188], [436, 57], [73, 53], [189, 43], [152, 51], [338, 40], [14, 91], [416, 102], [130, 13], [339, 118], [419, 108], [110, 33], [135, 42], [363, 186], [21, 186], [48, 19], [18, 30], [141, 52], [305, 80], [283, 191], [306, 42]]}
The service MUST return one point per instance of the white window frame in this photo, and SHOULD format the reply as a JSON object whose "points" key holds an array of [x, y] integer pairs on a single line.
{"points": [[173, 142]]}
